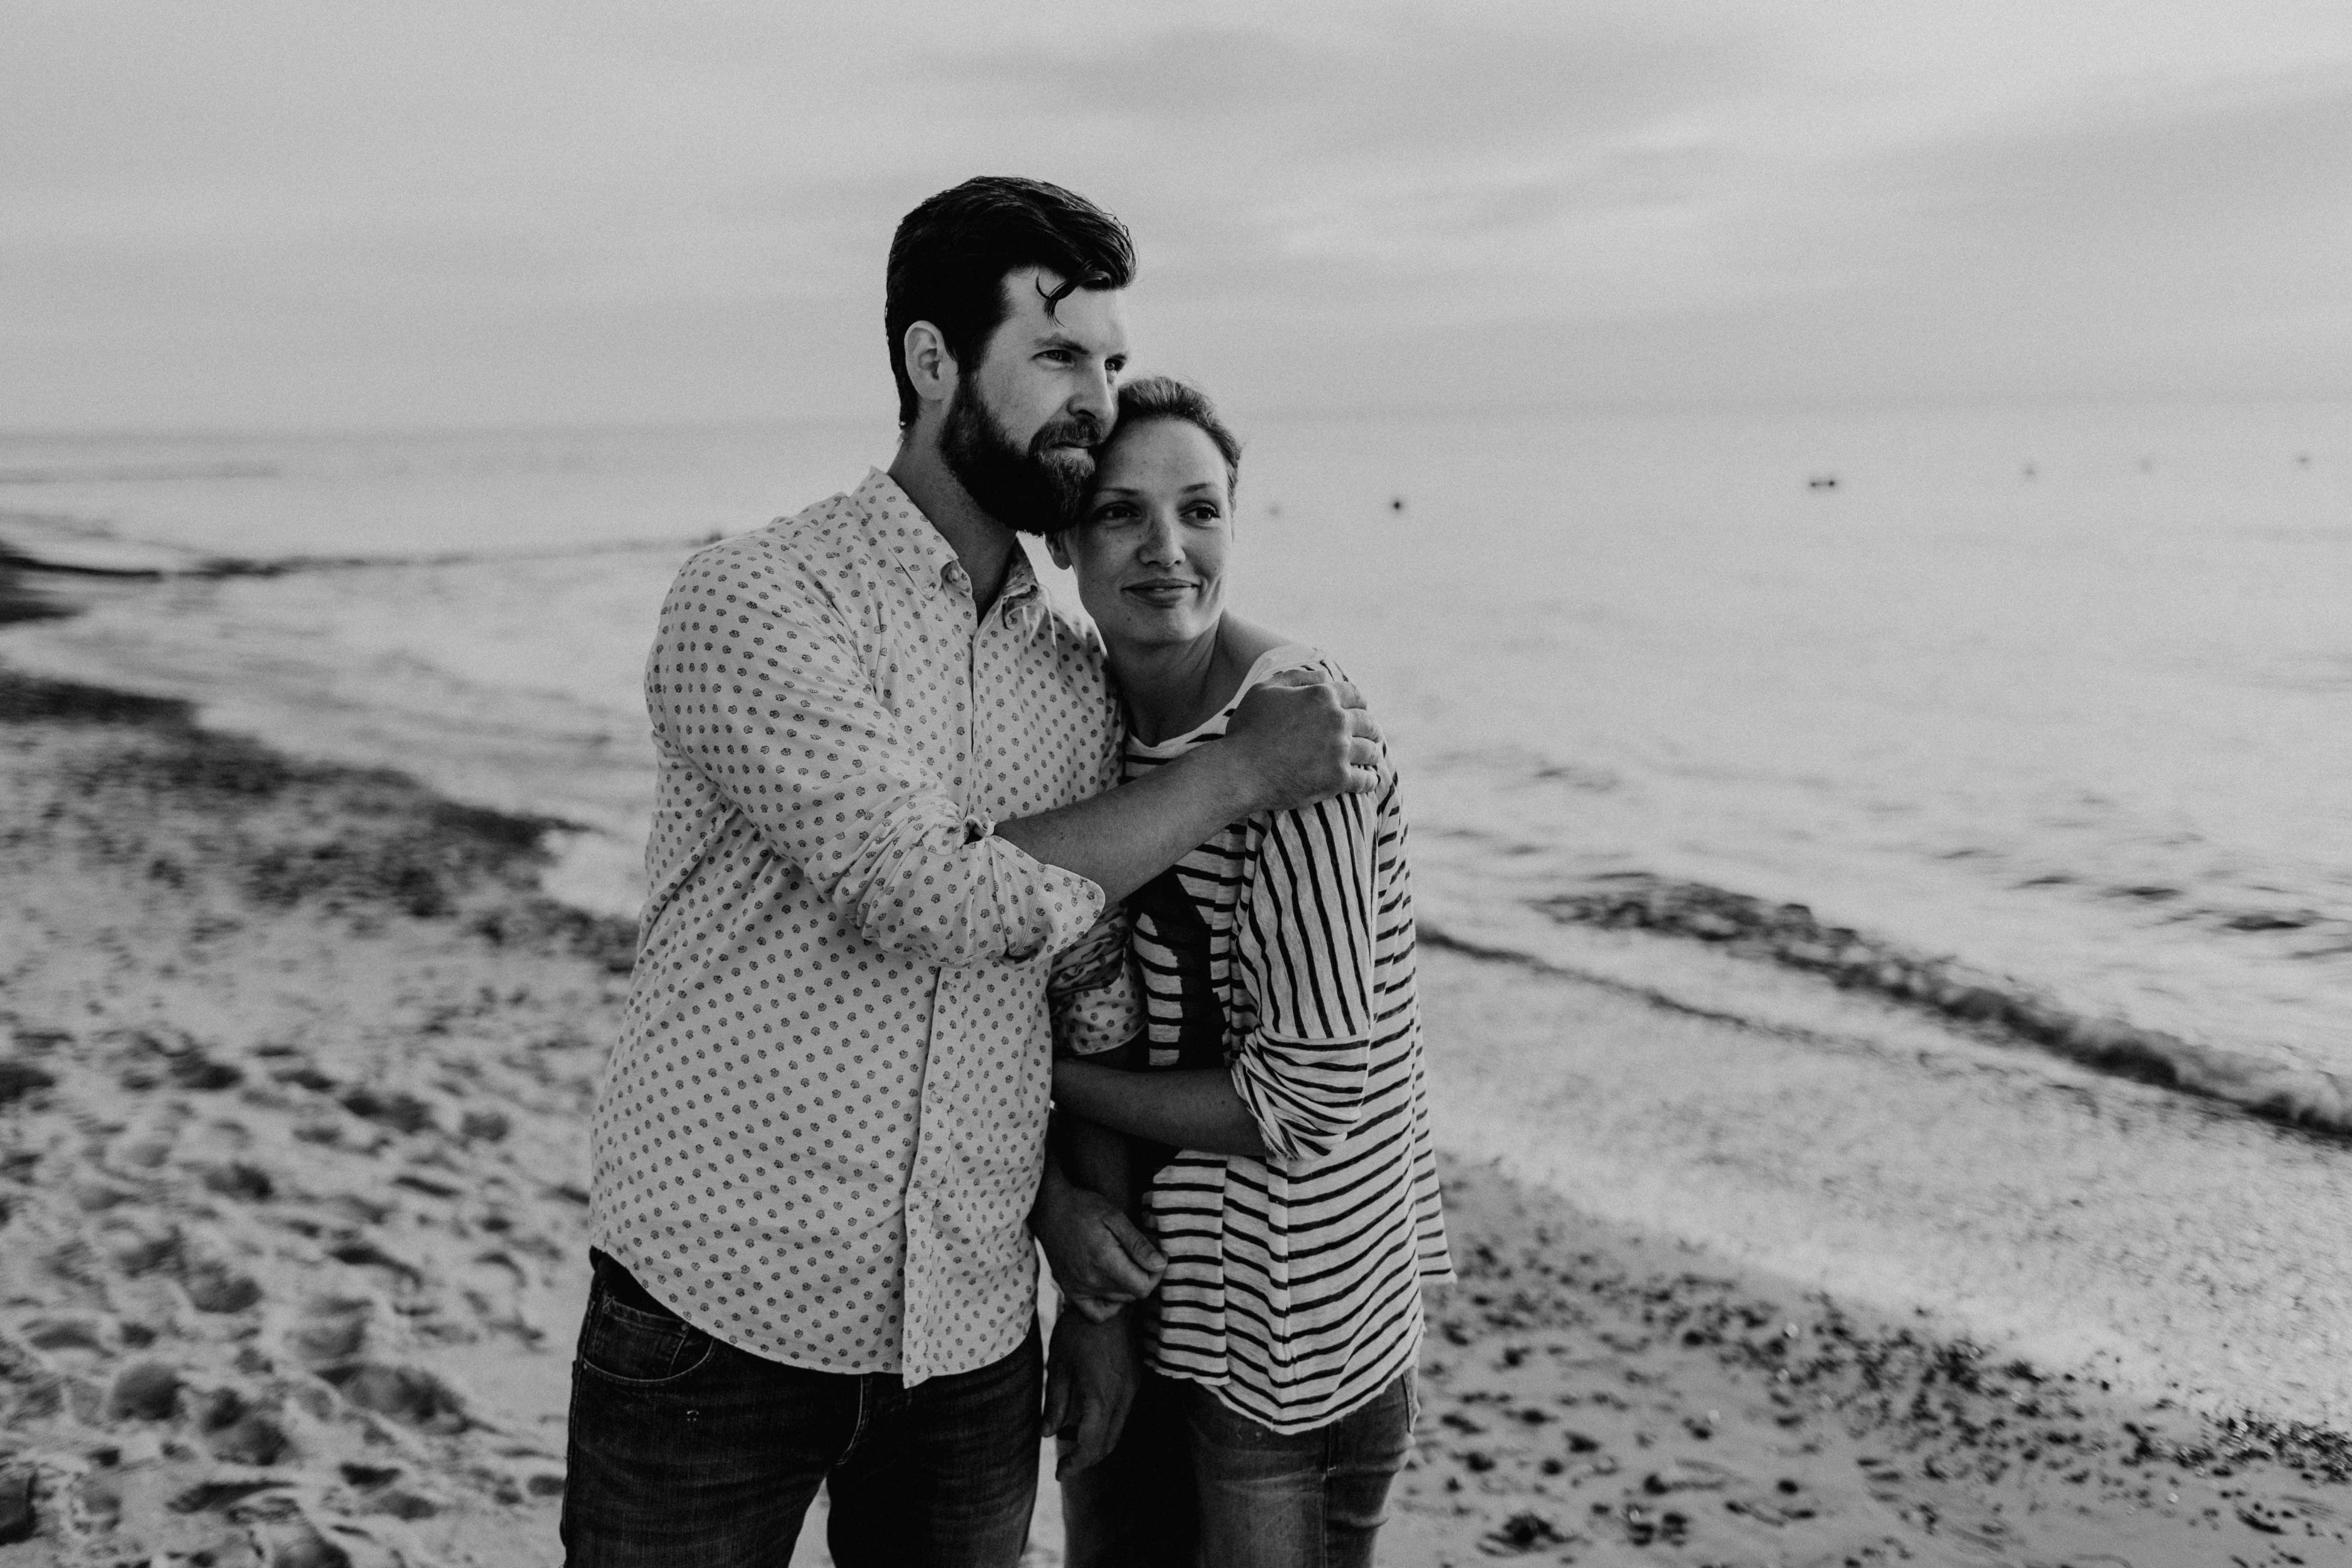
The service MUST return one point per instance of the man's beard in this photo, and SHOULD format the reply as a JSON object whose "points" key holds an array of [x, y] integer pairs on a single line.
{"points": [[1038, 490]]}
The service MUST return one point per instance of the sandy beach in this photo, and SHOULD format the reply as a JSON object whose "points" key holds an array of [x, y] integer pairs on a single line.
{"points": [[292, 1131]]}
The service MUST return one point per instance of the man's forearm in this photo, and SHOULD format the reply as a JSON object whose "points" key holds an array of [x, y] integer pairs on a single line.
{"points": [[1191, 1108], [1121, 839]]}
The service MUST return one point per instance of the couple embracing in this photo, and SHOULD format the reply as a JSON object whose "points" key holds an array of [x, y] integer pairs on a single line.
{"points": [[971, 931]]}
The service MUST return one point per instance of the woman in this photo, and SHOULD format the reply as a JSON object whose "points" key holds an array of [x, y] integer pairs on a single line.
{"points": [[1276, 1110]]}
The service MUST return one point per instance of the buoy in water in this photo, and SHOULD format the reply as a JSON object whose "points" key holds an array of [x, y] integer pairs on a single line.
{"points": [[1822, 482], [1396, 504]]}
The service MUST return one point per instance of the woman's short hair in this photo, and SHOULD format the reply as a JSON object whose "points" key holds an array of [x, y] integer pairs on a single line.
{"points": [[949, 258], [1149, 397]]}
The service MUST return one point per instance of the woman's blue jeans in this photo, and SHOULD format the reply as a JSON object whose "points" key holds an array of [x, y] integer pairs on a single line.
{"points": [[688, 1453], [1193, 1482]]}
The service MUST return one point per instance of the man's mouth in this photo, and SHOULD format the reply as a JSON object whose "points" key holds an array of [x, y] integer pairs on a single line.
{"points": [[1162, 592], [1070, 436]]}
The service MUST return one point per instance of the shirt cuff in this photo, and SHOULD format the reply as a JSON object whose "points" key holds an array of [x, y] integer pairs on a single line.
{"points": [[1040, 909]]}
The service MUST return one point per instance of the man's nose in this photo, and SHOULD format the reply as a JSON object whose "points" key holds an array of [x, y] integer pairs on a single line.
{"points": [[1096, 396]]}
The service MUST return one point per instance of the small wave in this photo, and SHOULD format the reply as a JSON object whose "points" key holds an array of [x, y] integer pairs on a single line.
{"points": [[22, 602], [13, 559], [137, 473], [138, 559], [1519, 766], [2319, 535], [2233, 919], [1789, 935], [286, 565]]}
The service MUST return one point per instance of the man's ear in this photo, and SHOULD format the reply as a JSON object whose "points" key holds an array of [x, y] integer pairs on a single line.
{"points": [[929, 367], [1053, 548]]}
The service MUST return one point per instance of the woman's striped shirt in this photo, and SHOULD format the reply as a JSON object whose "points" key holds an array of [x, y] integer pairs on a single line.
{"points": [[1283, 950]]}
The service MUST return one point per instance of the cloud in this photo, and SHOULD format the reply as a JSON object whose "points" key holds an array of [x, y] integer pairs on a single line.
{"points": [[2145, 164], [1395, 87], [1447, 168], [1551, 199], [2173, 220]]}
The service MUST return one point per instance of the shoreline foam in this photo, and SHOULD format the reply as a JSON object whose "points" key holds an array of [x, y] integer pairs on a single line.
{"points": [[1994, 1007]]}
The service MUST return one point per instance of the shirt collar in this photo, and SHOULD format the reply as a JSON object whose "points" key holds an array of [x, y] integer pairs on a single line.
{"points": [[1022, 601], [892, 516], [926, 557]]}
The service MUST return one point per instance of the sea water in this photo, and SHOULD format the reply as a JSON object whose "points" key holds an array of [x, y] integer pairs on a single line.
{"points": [[2063, 693]]}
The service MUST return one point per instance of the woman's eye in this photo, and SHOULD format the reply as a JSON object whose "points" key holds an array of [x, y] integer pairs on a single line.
{"points": [[1205, 512]]}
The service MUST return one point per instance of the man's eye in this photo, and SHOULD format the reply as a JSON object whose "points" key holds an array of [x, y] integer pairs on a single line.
{"points": [[1059, 356]]}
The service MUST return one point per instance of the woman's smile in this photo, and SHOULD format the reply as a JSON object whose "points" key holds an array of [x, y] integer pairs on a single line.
{"points": [[1166, 593]]}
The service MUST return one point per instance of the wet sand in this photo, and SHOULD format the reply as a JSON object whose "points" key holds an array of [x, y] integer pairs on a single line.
{"points": [[1592, 1396], [296, 1060]]}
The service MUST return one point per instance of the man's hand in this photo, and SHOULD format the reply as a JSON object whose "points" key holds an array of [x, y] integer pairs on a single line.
{"points": [[1305, 739], [1098, 1257], [1090, 1379]]}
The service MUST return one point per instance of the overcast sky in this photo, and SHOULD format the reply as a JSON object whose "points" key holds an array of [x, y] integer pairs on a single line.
{"points": [[240, 212]]}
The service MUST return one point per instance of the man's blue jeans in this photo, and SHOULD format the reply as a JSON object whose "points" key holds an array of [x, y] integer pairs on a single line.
{"points": [[688, 1453], [1192, 1482]]}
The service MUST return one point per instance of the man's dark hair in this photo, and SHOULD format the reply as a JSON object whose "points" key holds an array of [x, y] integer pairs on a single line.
{"points": [[950, 255], [1165, 398]]}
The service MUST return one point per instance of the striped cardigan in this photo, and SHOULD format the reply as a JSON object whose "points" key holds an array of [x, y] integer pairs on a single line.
{"points": [[1283, 950]]}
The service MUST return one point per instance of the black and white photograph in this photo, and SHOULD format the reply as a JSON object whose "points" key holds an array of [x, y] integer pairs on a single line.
{"points": [[1277, 785]]}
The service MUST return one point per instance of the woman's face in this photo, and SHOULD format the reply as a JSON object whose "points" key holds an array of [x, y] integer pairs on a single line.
{"points": [[1150, 542]]}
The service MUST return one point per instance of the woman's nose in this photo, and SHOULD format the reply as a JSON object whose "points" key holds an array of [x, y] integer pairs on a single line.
{"points": [[1163, 543]]}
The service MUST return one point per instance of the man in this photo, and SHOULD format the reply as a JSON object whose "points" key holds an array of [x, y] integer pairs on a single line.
{"points": [[879, 843]]}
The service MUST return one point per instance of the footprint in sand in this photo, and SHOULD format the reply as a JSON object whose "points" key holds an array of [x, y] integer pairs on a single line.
{"points": [[306, 1548], [247, 1184], [210, 1497], [334, 1338], [214, 1286], [334, 1329], [69, 1333], [239, 1432], [409, 1394]]}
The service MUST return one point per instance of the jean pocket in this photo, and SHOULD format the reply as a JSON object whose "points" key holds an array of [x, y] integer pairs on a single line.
{"points": [[1217, 1425], [628, 1345]]}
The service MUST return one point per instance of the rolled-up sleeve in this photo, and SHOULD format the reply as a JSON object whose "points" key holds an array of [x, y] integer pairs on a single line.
{"points": [[1092, 995], [1305, 950], [756, 682]]}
